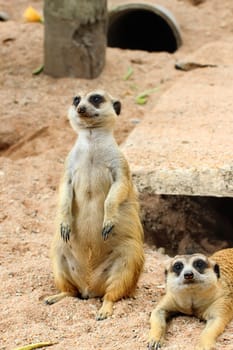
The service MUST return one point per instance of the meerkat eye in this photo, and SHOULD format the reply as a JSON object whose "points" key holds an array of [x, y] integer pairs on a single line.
{"points": [[96, 100], [76, 100], [200, 265], [178, 267]]}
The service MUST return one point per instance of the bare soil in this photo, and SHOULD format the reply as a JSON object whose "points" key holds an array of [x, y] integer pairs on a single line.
{"points": [[35, 138]]}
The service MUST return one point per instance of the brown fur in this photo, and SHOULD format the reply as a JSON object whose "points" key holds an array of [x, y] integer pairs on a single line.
{"points": [[202, 293], [97, 250]]}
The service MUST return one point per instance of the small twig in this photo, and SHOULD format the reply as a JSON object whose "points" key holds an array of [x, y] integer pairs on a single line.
{"points": [[187, 66], [35, 346]]}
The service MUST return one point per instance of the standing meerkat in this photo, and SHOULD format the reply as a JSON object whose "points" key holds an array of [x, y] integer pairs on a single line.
{"points": [[199, 286], [97, 250]]}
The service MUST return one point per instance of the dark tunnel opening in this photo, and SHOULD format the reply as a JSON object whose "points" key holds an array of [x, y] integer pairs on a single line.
{"points": [[142, 29], [187, 224]]}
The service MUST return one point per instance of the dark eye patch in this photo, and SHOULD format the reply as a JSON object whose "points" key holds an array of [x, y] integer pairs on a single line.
{"points": [[76, 100], [96, 100], [178, 267], [200, 265]]}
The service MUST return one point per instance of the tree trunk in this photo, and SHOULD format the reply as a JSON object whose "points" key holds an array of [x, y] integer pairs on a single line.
{"points": [[75, 37]]}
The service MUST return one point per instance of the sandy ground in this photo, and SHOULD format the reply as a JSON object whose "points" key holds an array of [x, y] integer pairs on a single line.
{"points": [[34, 140]]}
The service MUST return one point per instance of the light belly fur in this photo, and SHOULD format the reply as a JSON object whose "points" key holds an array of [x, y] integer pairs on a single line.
{"points": [[87, 248]]}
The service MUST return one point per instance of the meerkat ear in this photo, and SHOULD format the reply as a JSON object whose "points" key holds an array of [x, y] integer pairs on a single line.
{"points": [[167, 260], [117, 107], [217, 270]]}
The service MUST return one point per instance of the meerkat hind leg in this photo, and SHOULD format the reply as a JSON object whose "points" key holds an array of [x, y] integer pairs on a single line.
{"points": [[121, 283], [67, 290], [57, 297]]}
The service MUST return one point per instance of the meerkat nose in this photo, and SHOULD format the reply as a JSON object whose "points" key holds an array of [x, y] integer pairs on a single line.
{"points": [[188, 275], [82, 109]]}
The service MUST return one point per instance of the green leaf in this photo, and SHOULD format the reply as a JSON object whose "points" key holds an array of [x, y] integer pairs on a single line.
{"points": [[38, 70], [128, 73], [142, 98]]}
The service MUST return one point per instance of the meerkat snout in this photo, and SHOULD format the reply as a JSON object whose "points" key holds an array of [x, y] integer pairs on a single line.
{"points": [[82, 109], [188, 275]]}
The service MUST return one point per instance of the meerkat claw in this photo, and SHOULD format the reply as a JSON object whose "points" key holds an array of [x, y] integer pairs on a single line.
{"points": [[106, 230], [154, 345], [65, 232]]}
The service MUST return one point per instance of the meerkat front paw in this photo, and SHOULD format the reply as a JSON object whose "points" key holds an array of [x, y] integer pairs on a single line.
{"points": [[107, 228], [65, 231], [105, 311], [154, 344], [206, 342]]}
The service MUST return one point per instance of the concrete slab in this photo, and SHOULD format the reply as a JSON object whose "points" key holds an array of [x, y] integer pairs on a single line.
{"points": [[185, 145]]}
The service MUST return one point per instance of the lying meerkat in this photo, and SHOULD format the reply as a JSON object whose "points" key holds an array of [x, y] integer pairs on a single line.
{"points": [[97, 250], [200, 286]]}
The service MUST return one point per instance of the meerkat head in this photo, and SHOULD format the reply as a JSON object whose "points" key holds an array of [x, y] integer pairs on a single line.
{"points": [[93, 110], [193, 270]]}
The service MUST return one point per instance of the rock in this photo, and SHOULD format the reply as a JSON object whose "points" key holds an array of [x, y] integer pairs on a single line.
{"points": [[184, 146]]}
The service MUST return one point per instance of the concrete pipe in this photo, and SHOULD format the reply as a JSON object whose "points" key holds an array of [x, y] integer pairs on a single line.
{"points": [[142, 26]]}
